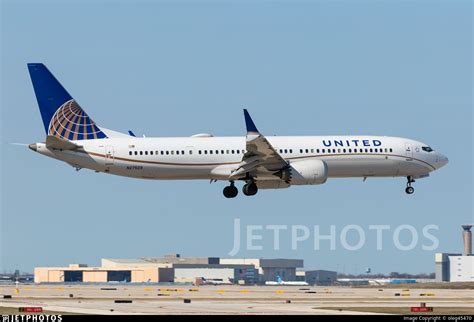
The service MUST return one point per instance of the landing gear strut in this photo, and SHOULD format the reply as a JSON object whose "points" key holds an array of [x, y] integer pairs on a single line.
{"points": [[231, 191], [250, 189], [409, 189]]}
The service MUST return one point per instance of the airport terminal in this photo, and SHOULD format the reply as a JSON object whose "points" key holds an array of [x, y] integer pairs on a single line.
{"points": [[176, 269]]}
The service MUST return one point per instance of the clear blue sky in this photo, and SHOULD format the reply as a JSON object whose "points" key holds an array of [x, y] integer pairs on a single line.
{"points": [[180, 68]]}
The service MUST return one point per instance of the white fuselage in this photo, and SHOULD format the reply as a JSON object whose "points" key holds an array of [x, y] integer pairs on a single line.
{"points": [[216, 157]]}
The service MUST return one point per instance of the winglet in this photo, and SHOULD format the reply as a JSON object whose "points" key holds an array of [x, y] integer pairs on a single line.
{"points": [[249, 123]]}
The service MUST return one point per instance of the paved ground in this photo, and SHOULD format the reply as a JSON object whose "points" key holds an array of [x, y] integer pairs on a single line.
{"points": [[153, 299]]}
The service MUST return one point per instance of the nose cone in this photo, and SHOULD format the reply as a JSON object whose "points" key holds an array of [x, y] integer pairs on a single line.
{"points": [[442, 160], [33, 146]]}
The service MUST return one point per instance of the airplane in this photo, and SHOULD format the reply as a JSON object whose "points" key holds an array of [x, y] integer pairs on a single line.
{"points": [[261, 162], [214, 281], [280, 281]]}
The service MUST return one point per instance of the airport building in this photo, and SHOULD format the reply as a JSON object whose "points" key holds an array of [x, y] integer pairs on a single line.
{"points": [[121, 273], [456, 267], [174, 268], [320, 277]]}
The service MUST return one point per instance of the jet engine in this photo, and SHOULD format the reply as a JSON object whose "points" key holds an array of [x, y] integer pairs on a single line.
{"points": [[305, 172]]}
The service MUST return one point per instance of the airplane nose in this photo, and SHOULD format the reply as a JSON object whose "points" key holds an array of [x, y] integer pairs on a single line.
{"points": [[442, 161]]}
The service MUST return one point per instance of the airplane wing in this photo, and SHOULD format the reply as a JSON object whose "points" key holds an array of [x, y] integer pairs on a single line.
{"points": [[57, 143], [261, 158]]}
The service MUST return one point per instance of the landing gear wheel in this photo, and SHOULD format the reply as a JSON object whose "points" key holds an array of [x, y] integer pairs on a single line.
{"points": [[250, 189], [409, 190], [230, 191]]}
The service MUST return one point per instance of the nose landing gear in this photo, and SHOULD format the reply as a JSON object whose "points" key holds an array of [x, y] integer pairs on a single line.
{"points": [[231, 191], [409, 189]]}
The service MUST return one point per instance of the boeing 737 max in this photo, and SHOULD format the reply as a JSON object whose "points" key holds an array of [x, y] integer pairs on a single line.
{"points": [[261, 162]]}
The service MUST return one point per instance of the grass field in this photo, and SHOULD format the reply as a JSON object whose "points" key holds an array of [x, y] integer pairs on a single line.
{"points": [[16, 311], [451, 285], [406, 311]]}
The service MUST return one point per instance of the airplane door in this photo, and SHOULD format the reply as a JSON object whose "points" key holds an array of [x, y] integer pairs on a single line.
{"points": [[408, 150], [109, 155]]}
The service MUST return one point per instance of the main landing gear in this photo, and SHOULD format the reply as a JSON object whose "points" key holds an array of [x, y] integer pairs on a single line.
{"points": [[410, 190], [231, 191], [249, 189]]}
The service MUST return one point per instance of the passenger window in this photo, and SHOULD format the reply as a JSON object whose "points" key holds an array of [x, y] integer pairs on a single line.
{"points": [[129, 152], [167, 152], [317, 150], [391, 150], [227, 151], [222, 151], [210, 151], [286, 151], [141, 152], [312, 150], [301, 150], [136, 152], [350, 151], [232, 151], [307, 151], [177, 152], [205, 151], [344, 150], [190, 151], [199, 151]]}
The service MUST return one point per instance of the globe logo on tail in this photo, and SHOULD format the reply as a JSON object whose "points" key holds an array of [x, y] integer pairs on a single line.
{"points": [[71, 123]]}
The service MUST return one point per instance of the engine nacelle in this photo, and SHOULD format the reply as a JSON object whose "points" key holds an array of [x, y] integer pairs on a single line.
{"points": [[306, 172]]}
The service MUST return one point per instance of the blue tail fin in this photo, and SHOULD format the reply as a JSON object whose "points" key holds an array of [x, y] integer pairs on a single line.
{"points": [[62, 116]]}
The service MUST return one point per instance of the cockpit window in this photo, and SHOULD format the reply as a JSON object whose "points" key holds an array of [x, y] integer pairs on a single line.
{"points": [[427, 149]]}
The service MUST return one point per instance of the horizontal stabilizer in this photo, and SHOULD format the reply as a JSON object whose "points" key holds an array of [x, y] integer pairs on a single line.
{"points": [[54, 142]]}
